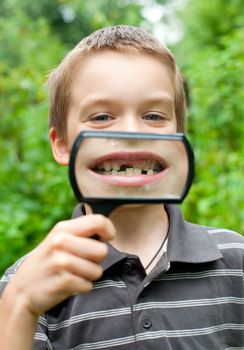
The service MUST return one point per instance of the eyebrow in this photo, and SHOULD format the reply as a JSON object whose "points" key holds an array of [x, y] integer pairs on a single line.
{"points": [[95, 102], [165, 99], [100, 101]]}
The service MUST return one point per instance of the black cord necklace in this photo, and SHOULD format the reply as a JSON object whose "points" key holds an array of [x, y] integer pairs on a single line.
{"points": [[158, 251]]}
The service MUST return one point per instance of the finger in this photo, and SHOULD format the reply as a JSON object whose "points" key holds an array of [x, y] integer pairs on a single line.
{"points": [[81, 247], [64, 262], [72, 284], [61, 287], [88, 226]]}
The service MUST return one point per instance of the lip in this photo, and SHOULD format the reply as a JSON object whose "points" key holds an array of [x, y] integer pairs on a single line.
{"points": [[130, 158]]}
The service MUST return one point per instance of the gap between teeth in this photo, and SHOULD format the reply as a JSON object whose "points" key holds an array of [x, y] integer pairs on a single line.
{"points": [[143, 165], [129, 172]]}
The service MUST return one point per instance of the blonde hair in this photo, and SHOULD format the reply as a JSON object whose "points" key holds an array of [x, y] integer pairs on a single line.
{"points": [[122, 38]]}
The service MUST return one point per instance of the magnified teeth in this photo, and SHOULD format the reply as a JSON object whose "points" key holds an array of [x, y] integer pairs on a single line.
{"points": [[115, 166], [141, 167], [146, 165], [137, 171], [130, 172], [153, 164], [107, 166]]}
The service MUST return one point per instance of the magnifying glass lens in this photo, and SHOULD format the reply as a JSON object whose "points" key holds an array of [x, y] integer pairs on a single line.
{"points": [[131, 169]]}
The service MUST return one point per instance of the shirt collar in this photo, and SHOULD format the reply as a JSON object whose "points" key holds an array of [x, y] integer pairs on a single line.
{"points": [[187, 242]]}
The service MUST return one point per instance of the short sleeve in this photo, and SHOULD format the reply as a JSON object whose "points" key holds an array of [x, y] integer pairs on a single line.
{"points": [[9, 273]]}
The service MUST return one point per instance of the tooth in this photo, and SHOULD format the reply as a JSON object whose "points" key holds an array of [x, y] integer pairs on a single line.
{"points": [[107, 166], [150, 172], [122, 173], [147, 165], [138, 165], [137, 171], [115, 166], [143, 165], [130, 172], [152, 164], [115, 172]]}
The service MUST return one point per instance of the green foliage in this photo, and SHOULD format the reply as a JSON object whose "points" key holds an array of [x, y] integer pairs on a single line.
{"points": [[31, 200], [212, 59], [73, 19]]}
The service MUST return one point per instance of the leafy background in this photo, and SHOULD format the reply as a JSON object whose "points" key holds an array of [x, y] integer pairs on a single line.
{"points": [[35, 35]]}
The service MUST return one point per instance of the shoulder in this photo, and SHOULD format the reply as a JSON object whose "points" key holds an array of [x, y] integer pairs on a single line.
{"points": [[219, 235], [193, 243], [224, 238], [229, 243]]}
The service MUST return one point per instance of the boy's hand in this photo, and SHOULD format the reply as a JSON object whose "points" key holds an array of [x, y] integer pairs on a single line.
{"points": [[65, 263]]}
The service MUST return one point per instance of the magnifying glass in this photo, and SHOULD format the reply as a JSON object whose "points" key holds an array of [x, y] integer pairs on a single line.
{"points": [[109, 169]]}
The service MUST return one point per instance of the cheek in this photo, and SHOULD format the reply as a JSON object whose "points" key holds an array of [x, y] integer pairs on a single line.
{"points": [[170, 128], [173, 126], [73, 130], [173, 129], [73, 125]]}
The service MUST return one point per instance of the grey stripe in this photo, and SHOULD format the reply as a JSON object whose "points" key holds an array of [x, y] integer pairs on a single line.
{"points": [[190, 332], [105, 343], [108, 283], [159, 334], [195, 275], [19, 262], [43, 321], [89, 316], [6, 278], [43, 337], [188, 303], [221, 230], [231, 246]]}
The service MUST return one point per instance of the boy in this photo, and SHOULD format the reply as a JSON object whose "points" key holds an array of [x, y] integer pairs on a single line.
{"points": [[140, 290]]}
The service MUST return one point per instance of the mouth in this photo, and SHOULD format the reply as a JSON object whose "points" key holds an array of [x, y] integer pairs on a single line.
{"points": [[129, 168]]}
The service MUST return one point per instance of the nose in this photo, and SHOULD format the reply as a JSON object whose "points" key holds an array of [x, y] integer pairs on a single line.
{"points": [[130, 123]]}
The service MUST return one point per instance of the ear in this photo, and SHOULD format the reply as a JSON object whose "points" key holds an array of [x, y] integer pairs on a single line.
{"points": [[60, 148]]}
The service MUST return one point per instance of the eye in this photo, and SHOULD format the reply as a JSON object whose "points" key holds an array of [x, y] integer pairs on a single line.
{"points": [[154, 117], [101, 118]]}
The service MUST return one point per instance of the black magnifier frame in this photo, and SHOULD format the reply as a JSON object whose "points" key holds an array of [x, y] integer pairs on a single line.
{"points": [[105, 206]]}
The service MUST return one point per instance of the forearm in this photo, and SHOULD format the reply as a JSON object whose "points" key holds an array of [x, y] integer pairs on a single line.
{"points": [[17, 326]]}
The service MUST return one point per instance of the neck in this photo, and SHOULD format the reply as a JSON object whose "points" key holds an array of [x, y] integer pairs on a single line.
{"points": [[140, 229]]}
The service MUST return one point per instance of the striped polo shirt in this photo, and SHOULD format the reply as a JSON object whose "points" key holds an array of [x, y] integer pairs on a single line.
{"points": [[193, 298]]}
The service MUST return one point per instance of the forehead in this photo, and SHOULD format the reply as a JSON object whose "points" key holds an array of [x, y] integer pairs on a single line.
{"points": [[119, 73]]}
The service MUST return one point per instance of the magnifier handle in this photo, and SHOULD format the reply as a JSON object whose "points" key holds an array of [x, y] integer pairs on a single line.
{"points": [[96, 237], [103, 207]]}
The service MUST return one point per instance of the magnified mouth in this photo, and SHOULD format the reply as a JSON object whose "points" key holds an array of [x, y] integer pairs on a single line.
{"points": [[129, 169]]}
